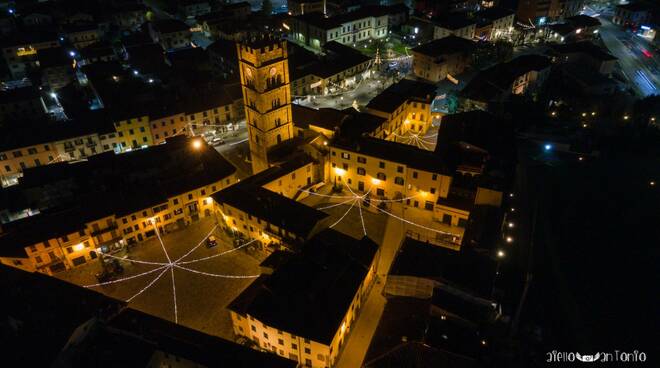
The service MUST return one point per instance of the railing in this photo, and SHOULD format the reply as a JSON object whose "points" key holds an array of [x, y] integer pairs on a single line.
{"points": [[447, 241]]}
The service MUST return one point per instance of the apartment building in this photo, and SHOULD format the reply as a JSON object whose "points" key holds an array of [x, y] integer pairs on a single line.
{"points": [[520, 76], [82, 35], [305, 309], [263, 206], [20, 50], [46, 143], [20, 104], [340, 67], [457, 25], [634, 14], [405, 106], [170, 34], [112, 204], [315, 30], [133, 130], [436, 60], [300, 7], [498, 20]]}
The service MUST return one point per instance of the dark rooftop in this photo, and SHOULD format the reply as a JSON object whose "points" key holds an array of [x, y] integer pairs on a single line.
{"points": [[494, 13], [584, 47], [40, 310], [454, 21], [582, 20], [170, 26], [464, 269], [498, 80], [446, 46], [406, 89], [309, 295], [53, 56], [17, 95], [271, 207], [326, 118]]}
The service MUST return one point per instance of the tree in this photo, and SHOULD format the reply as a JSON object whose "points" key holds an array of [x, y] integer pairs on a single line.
{"points": [[267, 7]]}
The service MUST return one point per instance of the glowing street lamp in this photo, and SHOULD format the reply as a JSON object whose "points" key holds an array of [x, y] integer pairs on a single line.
{"points": [[509, 239], [500, 254], [197, 144], [375, 181]]}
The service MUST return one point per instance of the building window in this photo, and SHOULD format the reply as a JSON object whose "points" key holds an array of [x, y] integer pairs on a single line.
{"points": [[280, 341], [361, 171], [253, 328], [428, 205], [265, 335], [38, 259], [362, 160], [414, 175], [346, 155], [398, 180], [294, 346], [399, 169], [434, 177], [381, 176], [381, 165], [432, 190], [380, 192], [308, 351]]}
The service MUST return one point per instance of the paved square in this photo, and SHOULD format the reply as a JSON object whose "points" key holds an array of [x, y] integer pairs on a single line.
{"points": [[201, 299]]}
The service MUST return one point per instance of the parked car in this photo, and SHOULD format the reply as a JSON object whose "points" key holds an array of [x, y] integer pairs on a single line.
{"points": [[211, 241], [218, 141]]}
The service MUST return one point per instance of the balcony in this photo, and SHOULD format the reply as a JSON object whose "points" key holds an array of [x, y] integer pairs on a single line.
{"points": [[114, 226]]}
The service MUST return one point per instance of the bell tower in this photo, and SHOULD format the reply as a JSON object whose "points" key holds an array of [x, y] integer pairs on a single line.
{"points": [[264, 72]]}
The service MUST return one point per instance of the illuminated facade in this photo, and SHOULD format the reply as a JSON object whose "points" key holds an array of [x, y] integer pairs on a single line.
{"points": [[264, 72]]}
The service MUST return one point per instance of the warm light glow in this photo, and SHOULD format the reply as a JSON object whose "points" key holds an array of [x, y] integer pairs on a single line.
{"points": [[593, 113], [500, 254], [78, 247], [423, 193], [584, 125], [343, 327], [375, 181], [483, 342], [509, 239], [580, 158], [197, 143], [325, 143], [578, 31], [513, 209], [554, 113], [407, 121], [443, 317], [265, 236], [625, 117], [584, 114], [511, 224], [339, 171], [652, 183]]}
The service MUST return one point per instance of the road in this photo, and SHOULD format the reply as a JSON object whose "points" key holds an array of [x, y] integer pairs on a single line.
{"points": [[638, 62]]}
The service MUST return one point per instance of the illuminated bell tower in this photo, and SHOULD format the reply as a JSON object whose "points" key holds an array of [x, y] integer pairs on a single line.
{"points": [[264, 72]]}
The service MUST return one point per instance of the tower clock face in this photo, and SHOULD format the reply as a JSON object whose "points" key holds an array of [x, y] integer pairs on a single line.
{"points": [[273, 71]]}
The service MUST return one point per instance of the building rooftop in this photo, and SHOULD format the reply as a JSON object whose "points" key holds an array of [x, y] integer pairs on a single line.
{"points": [[477, 128], [498, 80], [454, 22], [494, 13], [133, 334], [582, 20], [169, 26], [464, 269], [17, 95], [40, 310], [446, 46], [117, 184], [310, 294], [583, 47], [26, 37], [22, 134], [396, 94], [271, 207], [53, 57], [326, 118]]}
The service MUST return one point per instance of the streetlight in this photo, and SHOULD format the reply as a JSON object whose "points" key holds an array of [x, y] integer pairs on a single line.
{"points": [[197, 144], [511, 224], [500, 254], [509, 239]]}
